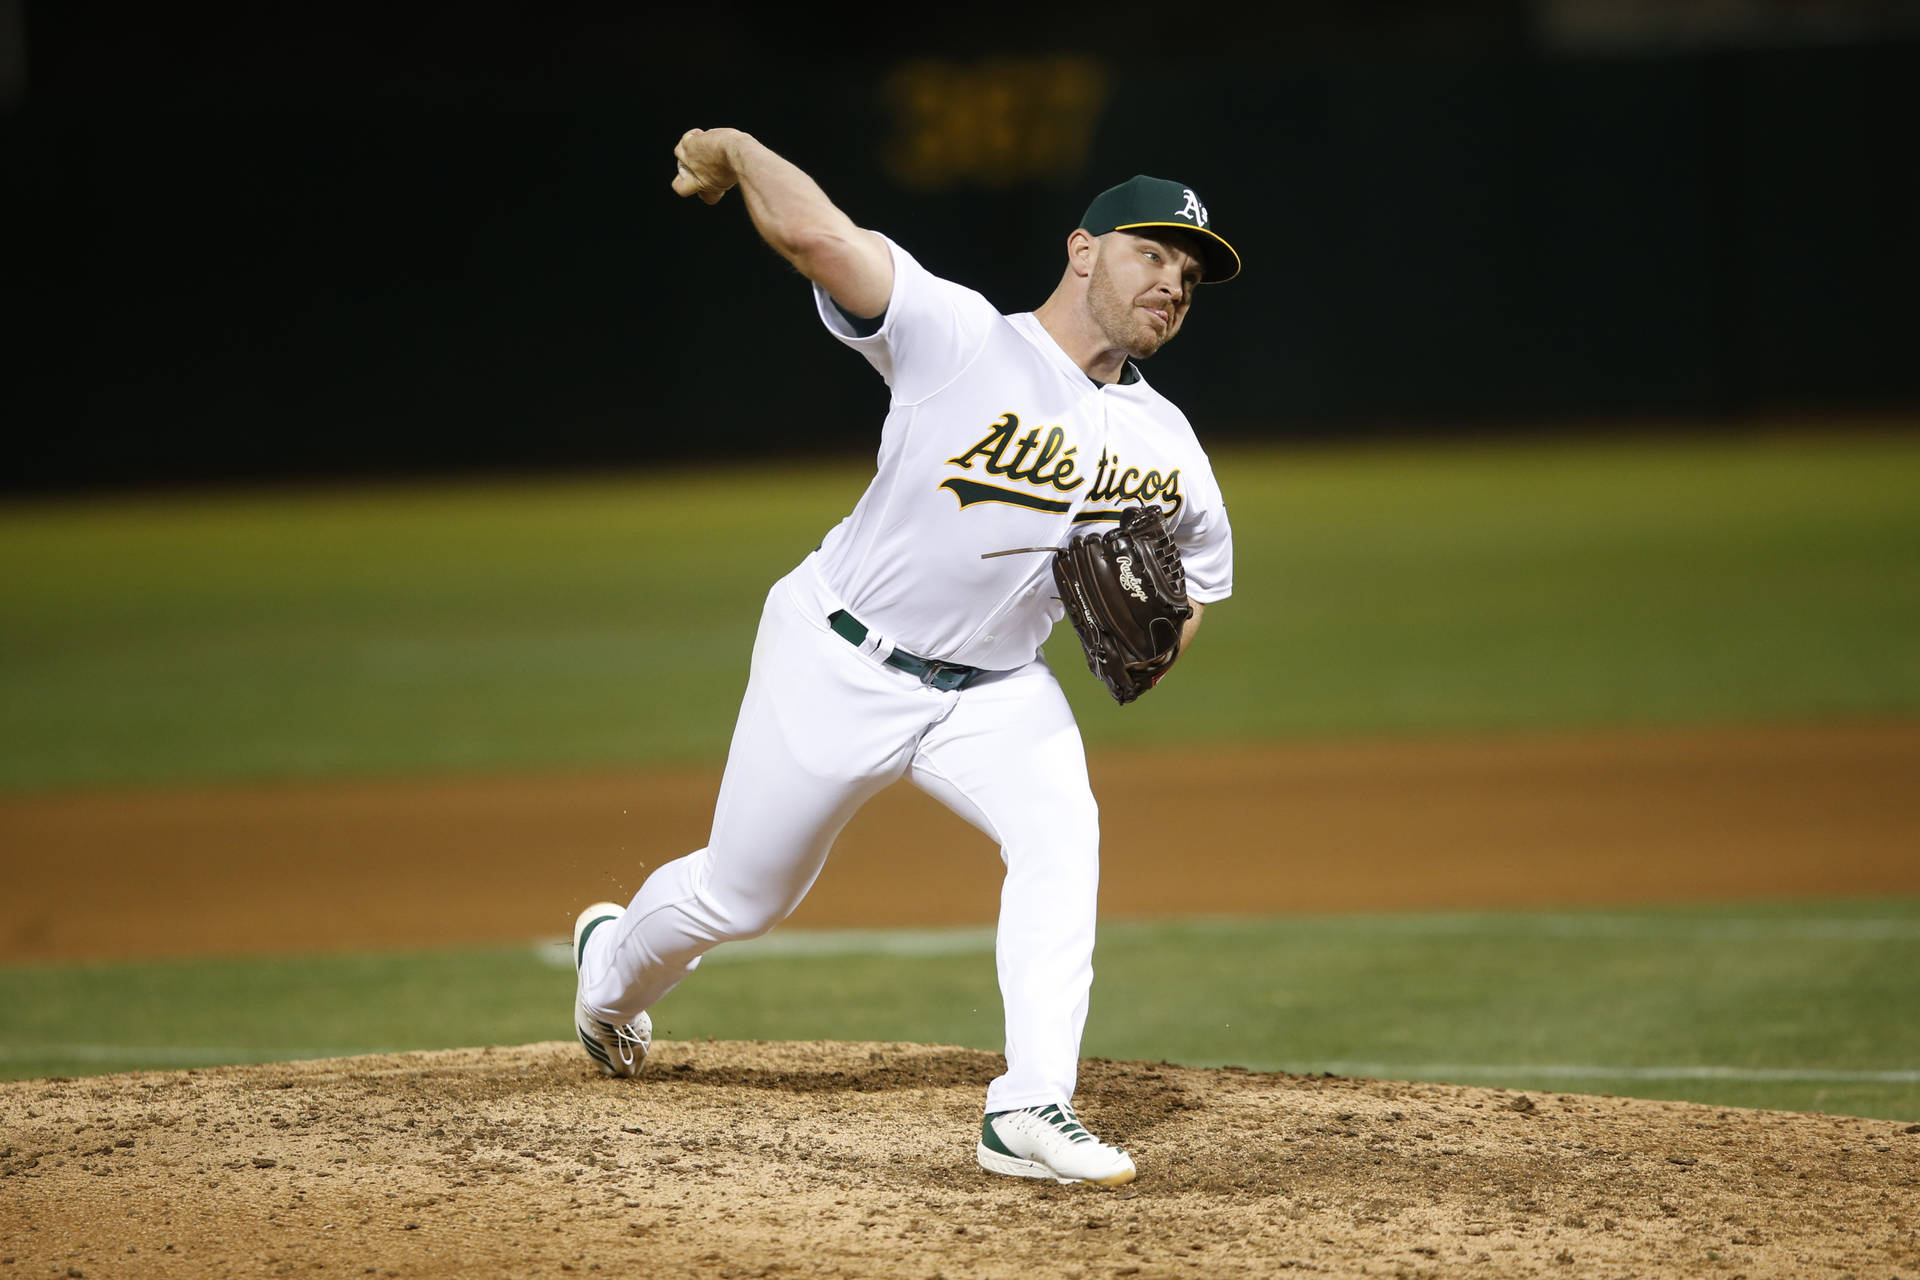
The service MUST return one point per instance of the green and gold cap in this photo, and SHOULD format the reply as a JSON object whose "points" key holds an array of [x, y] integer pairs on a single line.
{"points": [[1142, 202]]}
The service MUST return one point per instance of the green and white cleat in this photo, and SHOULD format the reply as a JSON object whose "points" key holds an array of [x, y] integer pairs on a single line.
{"points": [[621, 1050], [1050, 1142]]}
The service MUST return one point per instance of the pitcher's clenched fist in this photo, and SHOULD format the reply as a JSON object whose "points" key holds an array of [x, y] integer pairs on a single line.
{"points": [[706, 168]]}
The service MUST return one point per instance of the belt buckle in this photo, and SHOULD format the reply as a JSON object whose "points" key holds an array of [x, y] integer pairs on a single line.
{"points": [[945, 676]]}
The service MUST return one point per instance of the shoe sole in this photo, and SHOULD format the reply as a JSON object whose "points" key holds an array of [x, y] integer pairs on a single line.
{"points": [[1014, 1167]]}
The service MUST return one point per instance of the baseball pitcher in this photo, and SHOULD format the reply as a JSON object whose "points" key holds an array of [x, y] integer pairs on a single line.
{"points": [[1027, 471]]}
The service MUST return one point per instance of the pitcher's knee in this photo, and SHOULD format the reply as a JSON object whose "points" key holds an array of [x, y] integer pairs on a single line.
{"points": [[750, 921], [742, 914], [733, 906]]}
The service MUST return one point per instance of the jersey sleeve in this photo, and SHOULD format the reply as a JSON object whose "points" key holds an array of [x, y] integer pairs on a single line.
{"points": [[933, 329], [1205, 538]]}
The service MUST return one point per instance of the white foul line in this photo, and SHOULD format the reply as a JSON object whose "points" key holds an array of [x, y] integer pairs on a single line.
{"points": [[1545, 926], [965, 940]]}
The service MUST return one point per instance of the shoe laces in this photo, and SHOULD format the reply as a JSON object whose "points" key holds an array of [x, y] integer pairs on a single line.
{"points": [[625, 1040], [629, 1041]]}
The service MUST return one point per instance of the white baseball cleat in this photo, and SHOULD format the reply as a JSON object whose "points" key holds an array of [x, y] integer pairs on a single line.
{"points": [[1050, 1142], [620, 1050]]}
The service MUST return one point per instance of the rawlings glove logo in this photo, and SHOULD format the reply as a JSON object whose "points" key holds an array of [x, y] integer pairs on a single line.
{"points": [[1128, 579]]}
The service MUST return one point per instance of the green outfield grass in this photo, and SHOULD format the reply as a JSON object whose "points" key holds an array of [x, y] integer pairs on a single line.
{"points": [[475, 627], [1804, 1007]]}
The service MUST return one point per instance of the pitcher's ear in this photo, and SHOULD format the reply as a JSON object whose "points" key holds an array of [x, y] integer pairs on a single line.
{"points": [[1082, 248]]}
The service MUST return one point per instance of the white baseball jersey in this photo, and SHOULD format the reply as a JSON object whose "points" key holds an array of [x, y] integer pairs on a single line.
{"points": [[996, 439]]}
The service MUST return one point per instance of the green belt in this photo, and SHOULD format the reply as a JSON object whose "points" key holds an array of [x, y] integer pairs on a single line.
{"points": [[933, 673]]}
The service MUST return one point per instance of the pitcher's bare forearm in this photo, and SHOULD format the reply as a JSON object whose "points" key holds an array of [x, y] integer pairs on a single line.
{"points": [[1192, 625], [791, 213]]}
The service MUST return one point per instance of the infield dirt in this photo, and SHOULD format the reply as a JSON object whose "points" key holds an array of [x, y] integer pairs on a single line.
{"points": [[1527, 821], [855, 1160]]}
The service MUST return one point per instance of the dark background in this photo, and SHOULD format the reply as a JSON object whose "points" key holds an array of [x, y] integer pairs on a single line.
{"points": [[270, 243]]}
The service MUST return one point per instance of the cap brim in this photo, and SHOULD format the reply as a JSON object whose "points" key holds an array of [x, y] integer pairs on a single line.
{"points": [[1220, 263]]}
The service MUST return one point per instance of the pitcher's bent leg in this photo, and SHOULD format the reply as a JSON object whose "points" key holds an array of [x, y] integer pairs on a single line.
{"points": [[821, 730]]}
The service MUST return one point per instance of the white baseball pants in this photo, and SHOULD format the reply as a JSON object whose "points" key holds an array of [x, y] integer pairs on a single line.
{"points": [[824, 726]]}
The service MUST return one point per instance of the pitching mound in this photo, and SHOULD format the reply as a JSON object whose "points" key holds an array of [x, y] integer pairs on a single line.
{"points": [[856, 1160]]}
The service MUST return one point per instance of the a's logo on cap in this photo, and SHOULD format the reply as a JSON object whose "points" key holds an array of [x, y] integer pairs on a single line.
{"points": [[1192, 210]]}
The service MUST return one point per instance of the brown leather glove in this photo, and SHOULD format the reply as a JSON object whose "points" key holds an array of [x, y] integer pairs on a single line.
{"points": [[1126, 595]]}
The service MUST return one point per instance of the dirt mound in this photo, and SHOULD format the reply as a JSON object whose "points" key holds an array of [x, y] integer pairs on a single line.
{"points": [[855, 1160]]}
